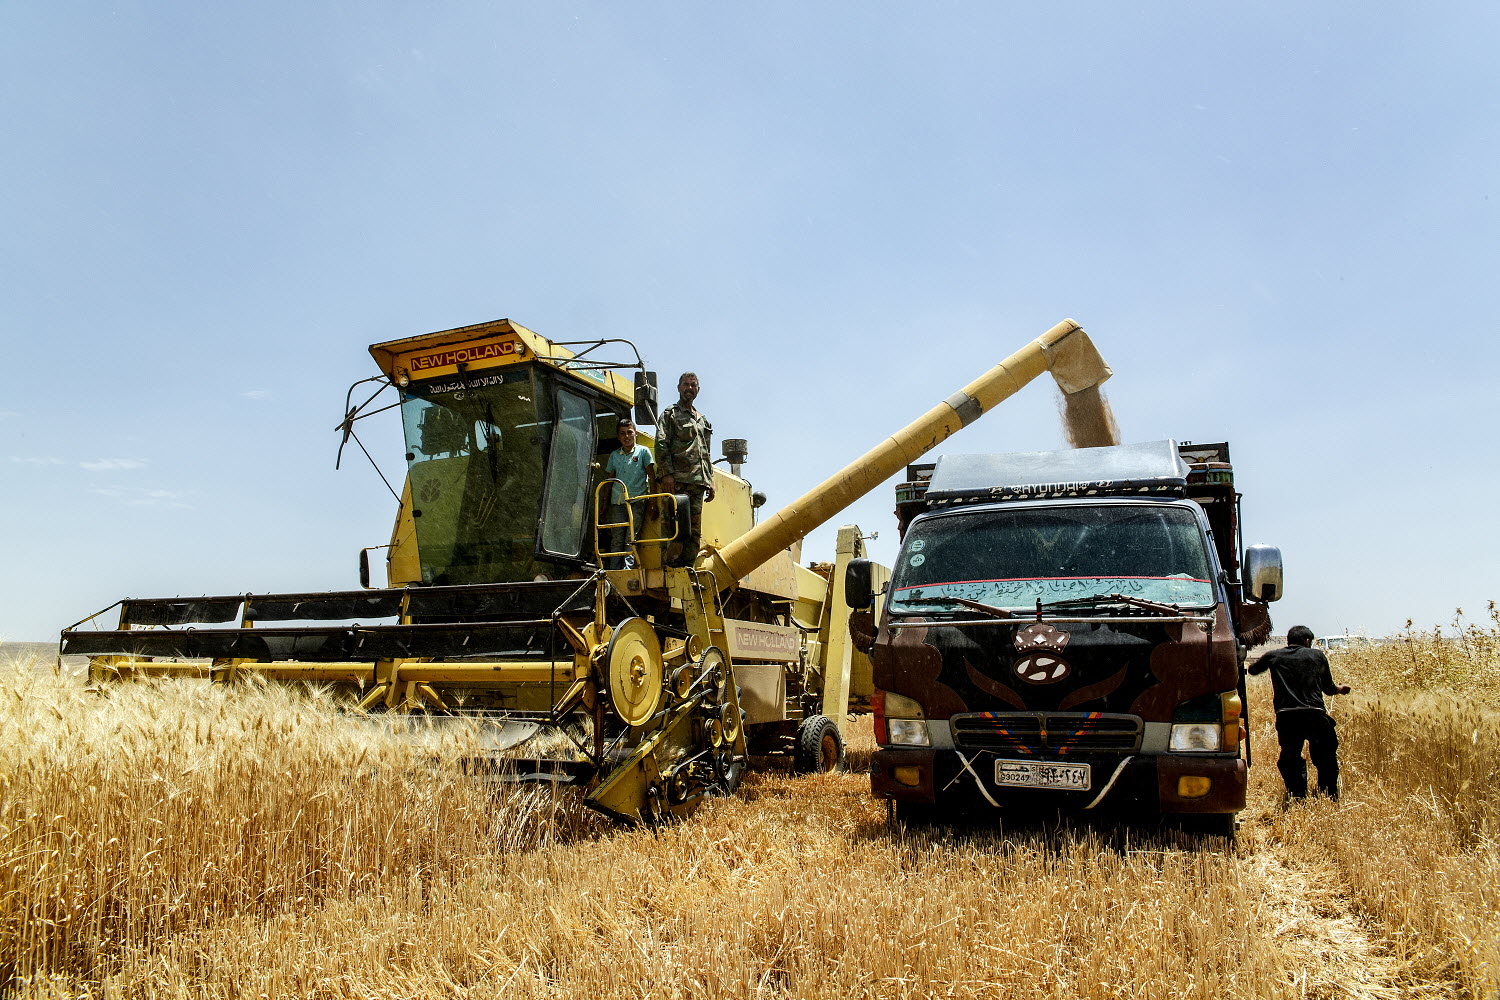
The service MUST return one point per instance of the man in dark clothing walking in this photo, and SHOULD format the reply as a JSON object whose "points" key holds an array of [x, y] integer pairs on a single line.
{"points": [[1299, 679]]}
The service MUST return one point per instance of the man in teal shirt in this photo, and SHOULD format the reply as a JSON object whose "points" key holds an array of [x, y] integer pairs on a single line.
{"points": [[632, 465]]}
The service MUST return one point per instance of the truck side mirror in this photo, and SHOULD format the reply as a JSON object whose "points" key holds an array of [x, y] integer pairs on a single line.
{"points": [[1262, 573], [858, 589], [645, 398]]}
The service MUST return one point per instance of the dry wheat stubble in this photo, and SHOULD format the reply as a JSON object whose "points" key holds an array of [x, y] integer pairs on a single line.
{"points": [[172, 841]]}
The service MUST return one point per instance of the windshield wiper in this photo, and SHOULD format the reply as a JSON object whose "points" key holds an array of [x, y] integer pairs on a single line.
{"points": [[962, 602], [1091, 602]]}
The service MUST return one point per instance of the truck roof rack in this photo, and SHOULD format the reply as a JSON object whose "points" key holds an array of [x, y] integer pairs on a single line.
{"points": [[1152, 468]]}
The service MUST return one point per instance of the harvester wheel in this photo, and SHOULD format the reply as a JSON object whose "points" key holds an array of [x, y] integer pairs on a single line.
{"points": [[635, 671], [820, 748]]}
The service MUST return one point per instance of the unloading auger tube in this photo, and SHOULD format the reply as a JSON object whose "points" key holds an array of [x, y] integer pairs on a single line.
{"points": [[1065, 351]]}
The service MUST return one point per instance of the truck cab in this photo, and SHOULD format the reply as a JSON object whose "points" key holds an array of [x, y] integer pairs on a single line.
{"points": [[1066, 630]]}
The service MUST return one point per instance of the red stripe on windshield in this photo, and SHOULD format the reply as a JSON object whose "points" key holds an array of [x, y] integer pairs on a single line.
{"points": [[1050, 579]]}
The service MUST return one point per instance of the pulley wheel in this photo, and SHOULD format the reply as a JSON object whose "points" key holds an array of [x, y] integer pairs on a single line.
{"points": [[729, 721], [716, 667], [635, 671], [724, 770]]}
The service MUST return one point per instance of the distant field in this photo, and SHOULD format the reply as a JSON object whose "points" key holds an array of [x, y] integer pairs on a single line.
{"points": [[177, 840], [39, 654]]}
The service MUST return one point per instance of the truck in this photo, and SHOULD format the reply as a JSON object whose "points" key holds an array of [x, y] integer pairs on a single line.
{"points": [[1065, 632]]}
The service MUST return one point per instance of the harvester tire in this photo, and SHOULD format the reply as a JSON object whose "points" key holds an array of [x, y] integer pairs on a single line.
{"points": [[820, 748]]}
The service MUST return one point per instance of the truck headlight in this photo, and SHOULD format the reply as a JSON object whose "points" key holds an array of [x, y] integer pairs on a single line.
{"points": [[1196, 736], [909, 732]]}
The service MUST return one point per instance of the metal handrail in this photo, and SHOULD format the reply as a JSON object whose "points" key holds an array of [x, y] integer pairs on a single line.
{"points": [[629, 523]]}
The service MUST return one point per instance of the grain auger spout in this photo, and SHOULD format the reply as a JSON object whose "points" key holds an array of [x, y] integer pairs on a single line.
{"points": [[1065, 351]]}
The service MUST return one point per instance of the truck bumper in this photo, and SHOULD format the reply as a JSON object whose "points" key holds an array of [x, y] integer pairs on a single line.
{"points": [[1135, 783]]}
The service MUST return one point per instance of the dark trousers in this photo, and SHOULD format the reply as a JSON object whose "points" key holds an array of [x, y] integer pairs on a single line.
{"points": [[620, 539], [1316, 729], [690, 532]]}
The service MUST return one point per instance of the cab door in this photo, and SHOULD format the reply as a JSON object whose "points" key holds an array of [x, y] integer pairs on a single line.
{"points": [[567, 494]]}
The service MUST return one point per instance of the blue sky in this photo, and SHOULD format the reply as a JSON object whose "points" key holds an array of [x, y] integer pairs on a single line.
{"points": [[1278, 222]]}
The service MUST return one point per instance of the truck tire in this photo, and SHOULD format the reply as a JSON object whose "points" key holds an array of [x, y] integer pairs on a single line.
{"points": [[1208, 824], [820, 748], [918, 814]]}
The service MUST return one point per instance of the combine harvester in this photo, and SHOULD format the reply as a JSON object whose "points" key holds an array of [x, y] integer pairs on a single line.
{"points": [[498, 613]]}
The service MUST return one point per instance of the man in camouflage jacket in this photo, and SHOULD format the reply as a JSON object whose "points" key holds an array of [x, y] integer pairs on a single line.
{"points": [[684, 441]]}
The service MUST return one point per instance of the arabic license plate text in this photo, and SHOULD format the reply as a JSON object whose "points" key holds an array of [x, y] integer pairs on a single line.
{"points": [[1038, 774]]}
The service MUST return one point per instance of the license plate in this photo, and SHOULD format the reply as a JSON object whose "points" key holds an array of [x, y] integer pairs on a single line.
{"points": [[1036, 774]]}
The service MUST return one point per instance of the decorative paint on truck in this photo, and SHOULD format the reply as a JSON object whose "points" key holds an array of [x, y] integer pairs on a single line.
{"points": [[1067, 630]]}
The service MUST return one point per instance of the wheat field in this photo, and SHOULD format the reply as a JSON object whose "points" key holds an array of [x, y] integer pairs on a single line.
{"points": [[170, 839]]}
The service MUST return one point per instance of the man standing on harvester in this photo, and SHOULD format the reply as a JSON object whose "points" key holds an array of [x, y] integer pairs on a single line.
{"points": [[1300, 677], [632, 465], [684, 440]]}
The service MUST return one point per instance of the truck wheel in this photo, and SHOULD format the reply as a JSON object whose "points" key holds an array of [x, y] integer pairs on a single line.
{"points": [[1208, 824], [820, 748], [915, 814]]}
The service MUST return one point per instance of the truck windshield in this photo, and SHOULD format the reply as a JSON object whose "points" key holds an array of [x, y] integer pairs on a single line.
{"points": [[474, 459], [1014, 558]]}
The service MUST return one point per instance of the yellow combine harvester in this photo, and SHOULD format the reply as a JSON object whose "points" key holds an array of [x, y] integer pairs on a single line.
{"points": [[498, 613]]}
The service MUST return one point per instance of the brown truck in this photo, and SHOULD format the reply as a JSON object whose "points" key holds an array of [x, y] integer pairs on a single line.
{"points": [[1066, 631]]}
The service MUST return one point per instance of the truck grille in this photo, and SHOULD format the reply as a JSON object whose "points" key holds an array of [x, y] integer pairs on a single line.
{"points": [[1047, 732]]}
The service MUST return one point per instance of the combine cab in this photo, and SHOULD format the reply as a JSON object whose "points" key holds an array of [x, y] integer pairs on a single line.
{"points": [[498, 611]]}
